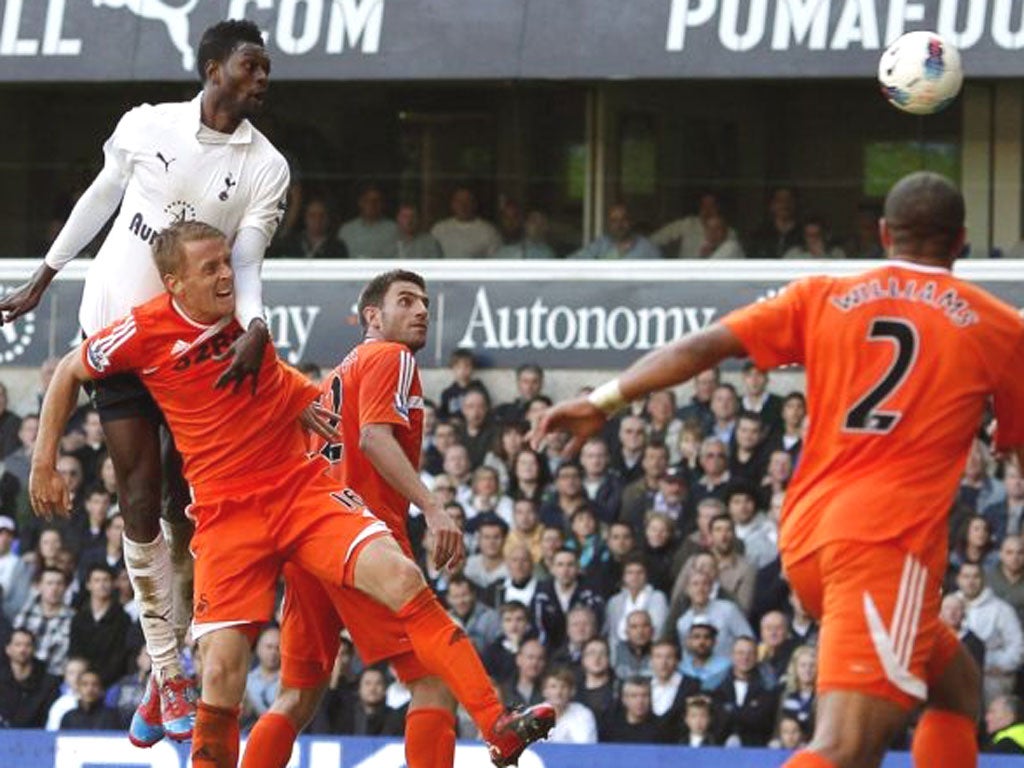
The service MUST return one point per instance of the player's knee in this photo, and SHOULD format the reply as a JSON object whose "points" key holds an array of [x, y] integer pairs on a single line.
{"points": [[223, 675], [404, 582], [297, 704], [140, 504]]}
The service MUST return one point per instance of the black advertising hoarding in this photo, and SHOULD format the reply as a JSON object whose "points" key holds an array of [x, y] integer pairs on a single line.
{"points": [[93, 40], [507, 313]]}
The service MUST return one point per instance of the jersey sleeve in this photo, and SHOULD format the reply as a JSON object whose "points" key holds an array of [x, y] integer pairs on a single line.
{"points": [[385, 384], [772, 331], [119, 148], [270, 199], [118, 348], [1008, 400]]}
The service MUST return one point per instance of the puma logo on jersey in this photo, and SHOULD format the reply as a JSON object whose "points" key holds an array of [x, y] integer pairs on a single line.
{"points": [[165, 161], [229, 182]]}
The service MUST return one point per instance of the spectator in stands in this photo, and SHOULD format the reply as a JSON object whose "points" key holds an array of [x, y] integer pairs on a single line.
{"points": [[725, 407], [753, 528], [699, 658], [465, 235], [26, 688], [699, 408], [488, 500], [529, 383], [508, 442], [87, 531], [747, 461], [369, 714], [458, 467], [973, 544], [632, 657], [10, 423], [996, 623], [552, 541], [815, 242], [636, 594], [15, 573], [499, 657], [316, 241], [714, 460], [716, 243], [781, 231], [679, 598], [776, 477], [662, 424], [638, 496], [574, 723], [125, 695], [632, 439], [723, 614], [444, 437], [758, 400], [68, 698], [581, 627], [602, 486], [952, 612], [735, 572], [100, 629], [586, 540], [109, 552], [789, 734], [1004, 724], [775, 649], [798, 696], [19, 462], [865, 243], [528, 241], [520, 581], [462, 364], [658, 549], [529, 477], [1007, 577], [620, 241], [621, 544], [555, 596], [487, 566], [1005, 517], [370, 235], [802, 626], [91, 714], [413, 243], [688, 449], [480, 622], [978, 489], [669, 688], [745, 705], [525, 689], [708, 509], [597, 688], [526, 530], [48, 619], [699, 722], [477, 431], [633, 722], [790, 438], [264, 679], [568, 496], [688, 231]]}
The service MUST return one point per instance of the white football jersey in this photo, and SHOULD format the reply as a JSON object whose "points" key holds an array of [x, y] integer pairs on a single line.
{"points": [[175, 168]]}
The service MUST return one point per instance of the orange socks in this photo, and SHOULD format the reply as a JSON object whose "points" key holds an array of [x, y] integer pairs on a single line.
{"points": [[270, 742], [215, 737], [429, 738], [807, 759], [445, 650], [945, 740]]}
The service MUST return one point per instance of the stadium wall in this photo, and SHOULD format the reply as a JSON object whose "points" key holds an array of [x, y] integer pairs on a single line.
{"points": [[40, 749]]}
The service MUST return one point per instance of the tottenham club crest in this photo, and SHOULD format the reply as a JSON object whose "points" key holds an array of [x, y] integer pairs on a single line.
{"points": [[15, 337]]}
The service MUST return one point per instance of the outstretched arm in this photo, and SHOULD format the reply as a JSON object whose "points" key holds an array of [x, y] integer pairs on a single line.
{"points": [[665, 367]]}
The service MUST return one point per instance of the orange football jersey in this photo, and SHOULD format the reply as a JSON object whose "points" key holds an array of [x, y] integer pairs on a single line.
{"points": [[901, 362], [225, 439], [377, 383]]}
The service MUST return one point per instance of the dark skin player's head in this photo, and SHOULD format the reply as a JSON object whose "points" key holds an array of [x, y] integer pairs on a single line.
{"points": [[924, 220], [235, 69]]}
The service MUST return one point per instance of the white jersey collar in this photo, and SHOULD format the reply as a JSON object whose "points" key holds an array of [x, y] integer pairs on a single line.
{"points": [[242, 134], [915, 267]]}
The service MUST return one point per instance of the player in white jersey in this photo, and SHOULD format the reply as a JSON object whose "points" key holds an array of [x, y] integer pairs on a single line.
{"points": [[204, 160]]}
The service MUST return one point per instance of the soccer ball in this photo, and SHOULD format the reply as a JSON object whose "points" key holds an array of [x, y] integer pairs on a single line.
{"points": [[920, 73]]}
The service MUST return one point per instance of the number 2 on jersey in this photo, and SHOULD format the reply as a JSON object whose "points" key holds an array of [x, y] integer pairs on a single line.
{"points": [[332, 451], [865, 415]]}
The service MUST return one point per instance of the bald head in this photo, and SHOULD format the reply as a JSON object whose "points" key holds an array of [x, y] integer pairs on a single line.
{"points": [[924, 217]]}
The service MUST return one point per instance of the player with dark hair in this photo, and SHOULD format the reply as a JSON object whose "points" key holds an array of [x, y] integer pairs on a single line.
{"points": [[200, 159], [378, 398], [901, 363], [260, 499]]}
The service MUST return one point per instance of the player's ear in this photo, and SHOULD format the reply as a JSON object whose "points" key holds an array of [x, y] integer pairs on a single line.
{"points": [[884, 235], [172, 284]]}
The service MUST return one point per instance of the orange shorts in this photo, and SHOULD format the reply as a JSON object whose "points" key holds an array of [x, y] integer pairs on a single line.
{"points": [[313, 617], [243, 539], [878, 604]]}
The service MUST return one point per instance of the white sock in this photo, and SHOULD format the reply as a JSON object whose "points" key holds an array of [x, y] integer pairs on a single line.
{"points": [[149, 568], [178, 536]]}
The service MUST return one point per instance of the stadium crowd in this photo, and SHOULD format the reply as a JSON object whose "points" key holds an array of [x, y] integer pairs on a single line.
{"points": [[634, 584], [310, 230]]}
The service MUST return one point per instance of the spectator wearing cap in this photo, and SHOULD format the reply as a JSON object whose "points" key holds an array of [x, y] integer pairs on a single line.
{"points": [[585, 538], [757, 533], [746, 706], [735, 572], [529, 385], [555, 596], [758, 400], [636, 595], [100, 629], [574, 723], [632, 657], [370, 235], [15, 573], [699, 658], [581, 627], [1004, 724], [26, 688], [519, 583], [569, 496], [638, 496], [671, 499], [480, 622], [747, 460], [714, 462], [632, 439], [633, 722], [524, 690], [723, 614], [487, 566], [602, 486]]}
